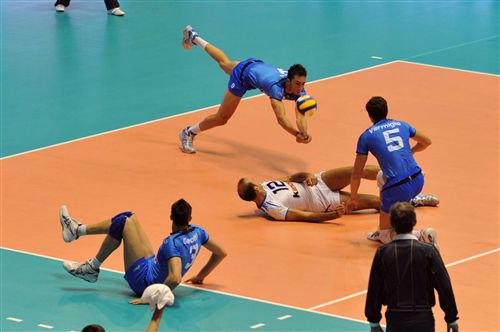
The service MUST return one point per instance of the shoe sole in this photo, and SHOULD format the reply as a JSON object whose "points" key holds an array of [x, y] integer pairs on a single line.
{"points": [[182, 149], [63, 224], [185, 34], [77, 276]]}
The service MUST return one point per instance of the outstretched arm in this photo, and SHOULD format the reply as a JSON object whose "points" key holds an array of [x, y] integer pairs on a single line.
{"points": [[218, 254], [284, 122], [315, 216], [423, 142], [154, 324]]}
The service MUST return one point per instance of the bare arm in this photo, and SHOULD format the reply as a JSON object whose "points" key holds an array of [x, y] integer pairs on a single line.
{"points": [[279, 111], [301, 177], [155, 321], [356, 175], [423, 142], [315, 216], [218, 254], [174, 273]]}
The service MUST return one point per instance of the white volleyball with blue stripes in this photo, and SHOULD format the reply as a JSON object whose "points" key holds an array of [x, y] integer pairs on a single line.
{"points": [[306, 105]]}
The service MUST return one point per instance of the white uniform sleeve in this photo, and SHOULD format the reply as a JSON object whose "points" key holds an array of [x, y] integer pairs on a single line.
{"points": [[276, 211]]}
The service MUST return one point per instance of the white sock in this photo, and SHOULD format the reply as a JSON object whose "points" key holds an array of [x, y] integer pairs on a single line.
{"points": [[195, 129], [81, 230], [94, 262], [200, 42]]}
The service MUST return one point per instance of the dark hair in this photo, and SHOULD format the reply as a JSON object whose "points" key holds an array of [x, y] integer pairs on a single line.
{"points": [[181, 212], [403, 217], [296, 70], [377, 108], [93, 328], [246, 192]]}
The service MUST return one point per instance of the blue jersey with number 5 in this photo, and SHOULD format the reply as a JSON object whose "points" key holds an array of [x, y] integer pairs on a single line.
{"points": [[389, 141], [183, 244]]}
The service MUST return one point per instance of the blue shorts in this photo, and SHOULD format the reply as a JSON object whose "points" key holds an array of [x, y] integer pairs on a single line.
{"points": [[236, 85], [402, 193], [136, 275]]}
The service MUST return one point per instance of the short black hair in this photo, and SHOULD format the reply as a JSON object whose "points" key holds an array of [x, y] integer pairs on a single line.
{"points": [[93, 328], [296, 70], [403, 217], [377, 108], [181, 213], [247, 192]]}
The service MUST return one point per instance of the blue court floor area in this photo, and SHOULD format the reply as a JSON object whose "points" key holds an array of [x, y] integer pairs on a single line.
{"points": [[37, 291]]}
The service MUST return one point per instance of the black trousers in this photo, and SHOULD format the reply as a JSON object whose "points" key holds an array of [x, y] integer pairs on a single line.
{"points": [[110, 4], [415, 321]]}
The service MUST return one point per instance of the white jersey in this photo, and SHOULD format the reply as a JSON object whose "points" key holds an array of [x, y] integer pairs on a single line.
{"points": [[282, 196]]}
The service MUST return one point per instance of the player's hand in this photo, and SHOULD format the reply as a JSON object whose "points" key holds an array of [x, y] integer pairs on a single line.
{"points": [[311, 180], [136, 301], [340, 210], [351, 205], [196, 280], [303, 138]]}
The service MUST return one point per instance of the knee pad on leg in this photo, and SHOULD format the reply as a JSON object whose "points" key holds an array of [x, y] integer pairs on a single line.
{"points": [[380, 180], [118, 224]]}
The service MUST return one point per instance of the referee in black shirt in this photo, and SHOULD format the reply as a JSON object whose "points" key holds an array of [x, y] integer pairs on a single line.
{"points": [[403, 276]]}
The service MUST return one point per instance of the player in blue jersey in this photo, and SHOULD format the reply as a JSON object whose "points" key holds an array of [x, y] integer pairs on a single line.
{"points": [[389, 141], [143, 268], [246, 75]]}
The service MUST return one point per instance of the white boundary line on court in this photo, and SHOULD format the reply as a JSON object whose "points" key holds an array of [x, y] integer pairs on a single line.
{"points": [[311, 309], [247, 98], [181, 114], [365, 291], [449, 68], [207, 290]]}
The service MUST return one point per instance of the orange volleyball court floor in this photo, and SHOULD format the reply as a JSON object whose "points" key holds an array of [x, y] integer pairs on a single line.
{"points": [[323, 267]]}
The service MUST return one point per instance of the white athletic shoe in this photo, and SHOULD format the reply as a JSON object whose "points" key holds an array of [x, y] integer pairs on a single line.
{"points": [[116, 12], [187, 141], [68, 224], [427, 235], [60, 8], [383, 236], [83, 270], [188, 37], [425, 200]]}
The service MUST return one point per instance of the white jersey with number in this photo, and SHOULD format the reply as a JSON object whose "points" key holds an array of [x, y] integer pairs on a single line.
{"points": [[282, 196]]}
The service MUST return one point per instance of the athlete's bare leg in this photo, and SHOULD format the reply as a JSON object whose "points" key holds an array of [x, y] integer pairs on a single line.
{"points": [[339, 178], [365, 201]]}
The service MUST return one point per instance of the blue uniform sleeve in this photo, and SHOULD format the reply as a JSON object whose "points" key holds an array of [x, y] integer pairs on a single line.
{"points": [[203, 236], [362, 147], [411, 130], [275, 92], [169, 249]]}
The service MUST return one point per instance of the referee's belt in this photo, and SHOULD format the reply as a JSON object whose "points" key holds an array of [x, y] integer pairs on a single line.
{"points": [[405, 180], [245, 66]]}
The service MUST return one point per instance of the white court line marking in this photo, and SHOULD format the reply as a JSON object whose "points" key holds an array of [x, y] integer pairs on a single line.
{"points": [[270, 302], [256, 326], [17, 320], [365, 291], [45, 326], [376, 57], [449, 68], [210, 290], [181, 114], [284, 317], [451, 47]]}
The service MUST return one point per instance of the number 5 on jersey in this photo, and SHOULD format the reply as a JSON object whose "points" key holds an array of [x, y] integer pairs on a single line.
{"points": [[394, 142]]}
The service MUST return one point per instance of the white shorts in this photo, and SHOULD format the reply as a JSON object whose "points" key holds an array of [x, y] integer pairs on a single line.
{"points": [[323, 198]]}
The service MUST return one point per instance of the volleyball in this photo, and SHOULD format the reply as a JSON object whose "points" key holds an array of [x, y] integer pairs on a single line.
{"points": [[306, 105]]}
